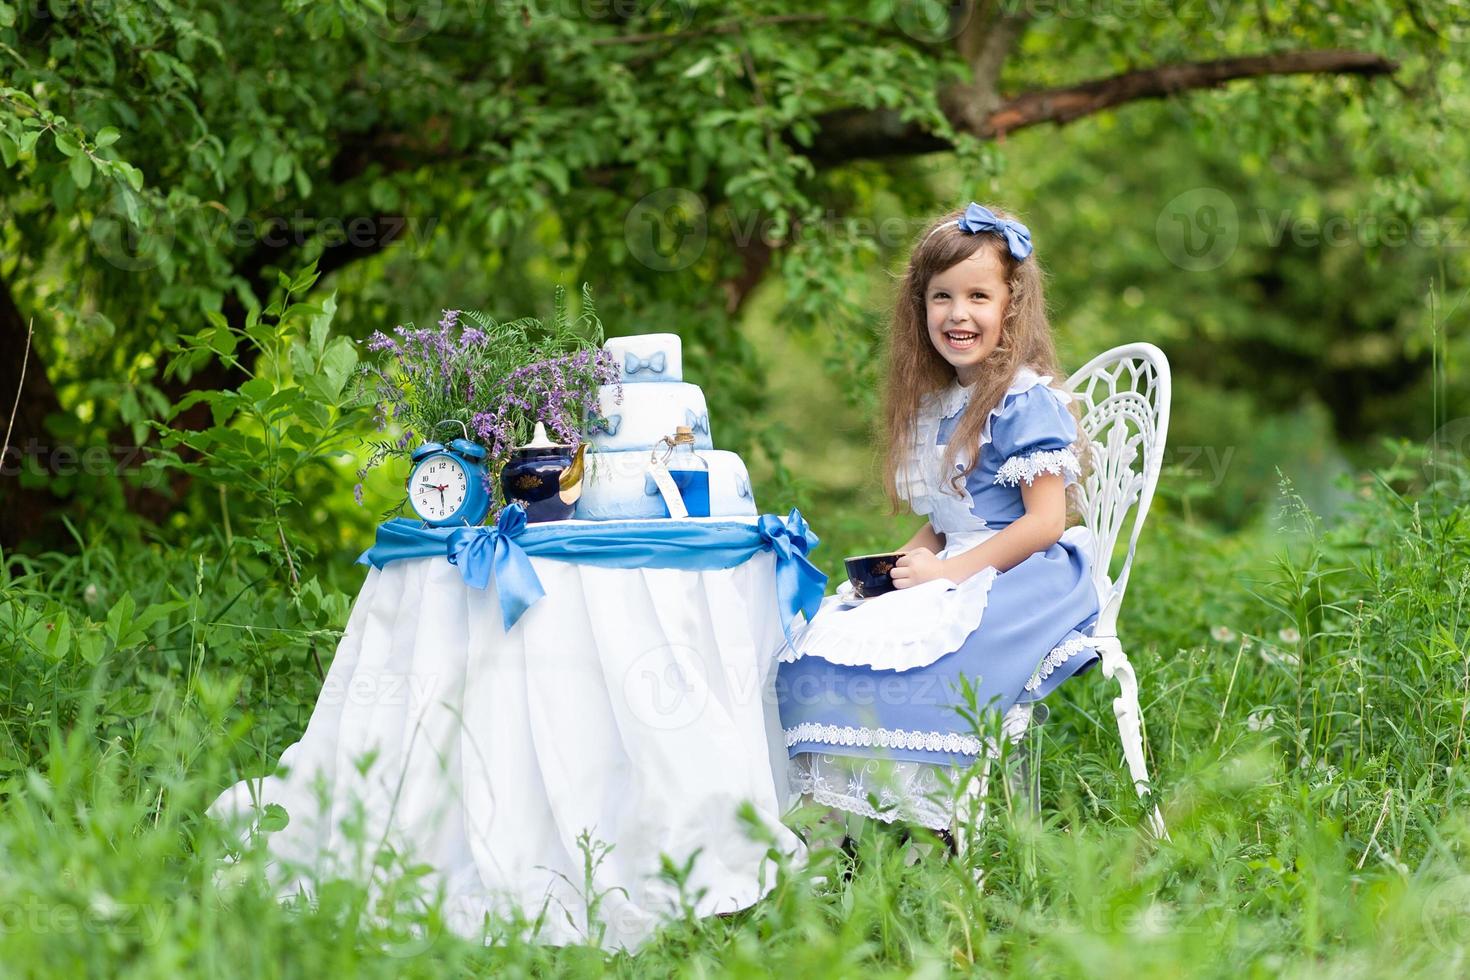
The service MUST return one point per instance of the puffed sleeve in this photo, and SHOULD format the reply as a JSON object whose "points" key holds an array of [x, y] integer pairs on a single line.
{"points": [[1033, 434]]}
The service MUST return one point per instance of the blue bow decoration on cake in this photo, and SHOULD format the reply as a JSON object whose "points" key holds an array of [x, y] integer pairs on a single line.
{"points": [[799, 584], [742, 487], [696, 423], [611, 426], [632, 363], [978, 218], [479, 550]]}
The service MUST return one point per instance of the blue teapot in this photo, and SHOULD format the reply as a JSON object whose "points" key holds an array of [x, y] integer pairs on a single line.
{"points": [[544, 477]]}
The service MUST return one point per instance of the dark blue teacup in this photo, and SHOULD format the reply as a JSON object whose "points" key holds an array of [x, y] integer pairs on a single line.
{"points": [[870, 575]]}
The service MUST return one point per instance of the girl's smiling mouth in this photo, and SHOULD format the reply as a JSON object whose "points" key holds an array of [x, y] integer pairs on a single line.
{"points": [[961, 339]]}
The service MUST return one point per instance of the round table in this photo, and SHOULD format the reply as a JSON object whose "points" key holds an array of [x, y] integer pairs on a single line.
{"points": [[542, 772]]}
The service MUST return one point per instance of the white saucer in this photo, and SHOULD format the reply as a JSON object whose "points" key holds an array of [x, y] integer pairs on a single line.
{"points": [[848, 599]]}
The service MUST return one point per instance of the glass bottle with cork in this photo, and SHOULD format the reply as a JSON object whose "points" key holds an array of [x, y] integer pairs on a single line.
{"points": [[689, 470]]}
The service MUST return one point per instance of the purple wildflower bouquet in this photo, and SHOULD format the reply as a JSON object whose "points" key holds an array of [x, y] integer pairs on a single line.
{"points": [[499, 379]]}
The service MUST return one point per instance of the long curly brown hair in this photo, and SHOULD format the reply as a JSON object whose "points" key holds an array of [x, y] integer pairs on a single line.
{"points": [[916, 369]]}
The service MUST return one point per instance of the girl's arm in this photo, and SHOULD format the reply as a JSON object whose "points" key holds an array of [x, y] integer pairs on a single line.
{"points": [[924, 537], [1036, 530]]}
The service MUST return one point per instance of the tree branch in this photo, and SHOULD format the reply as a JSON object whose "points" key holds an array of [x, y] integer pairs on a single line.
{"points": [[990, 31], [874, 134], [1062, 105]]}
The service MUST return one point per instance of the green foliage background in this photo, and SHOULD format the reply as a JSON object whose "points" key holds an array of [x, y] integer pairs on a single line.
{"points": [[205, 207]]}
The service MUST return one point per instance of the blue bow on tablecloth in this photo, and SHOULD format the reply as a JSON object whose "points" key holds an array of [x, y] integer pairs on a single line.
{"points": [[504, 552], [799, 583], [476, 550]]}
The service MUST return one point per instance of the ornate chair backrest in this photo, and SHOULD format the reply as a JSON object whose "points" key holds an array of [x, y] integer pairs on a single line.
{"points": [[1124, 401]]}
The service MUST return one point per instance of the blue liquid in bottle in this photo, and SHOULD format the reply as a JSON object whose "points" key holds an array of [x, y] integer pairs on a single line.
{"points": [[690, 474], [694, 487]]}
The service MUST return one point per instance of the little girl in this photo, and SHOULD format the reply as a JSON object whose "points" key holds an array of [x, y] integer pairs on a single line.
{"points": [[994, 588]]}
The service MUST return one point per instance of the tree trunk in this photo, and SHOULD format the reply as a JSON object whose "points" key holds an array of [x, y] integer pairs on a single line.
{"points": [[25, 512]]}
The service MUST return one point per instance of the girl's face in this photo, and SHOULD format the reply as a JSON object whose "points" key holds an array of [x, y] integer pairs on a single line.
{"points": [[964, 306]]}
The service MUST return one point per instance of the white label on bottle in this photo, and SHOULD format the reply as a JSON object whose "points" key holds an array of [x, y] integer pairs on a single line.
{"points": [[673, 499]]}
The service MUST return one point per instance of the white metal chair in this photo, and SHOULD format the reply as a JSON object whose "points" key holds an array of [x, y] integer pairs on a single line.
{"points": [[1124, 395]]}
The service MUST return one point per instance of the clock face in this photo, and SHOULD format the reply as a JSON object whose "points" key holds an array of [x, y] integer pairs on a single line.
{"points": [[438, 487]]}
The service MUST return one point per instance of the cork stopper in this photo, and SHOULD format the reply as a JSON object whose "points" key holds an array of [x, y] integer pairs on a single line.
{"points": [[683, 434]]}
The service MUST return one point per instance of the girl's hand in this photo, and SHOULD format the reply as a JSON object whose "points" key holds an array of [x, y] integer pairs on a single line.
{"points": [[917, 567]]}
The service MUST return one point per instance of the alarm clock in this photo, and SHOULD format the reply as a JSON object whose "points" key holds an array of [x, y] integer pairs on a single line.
{"points": [[446, 486]]}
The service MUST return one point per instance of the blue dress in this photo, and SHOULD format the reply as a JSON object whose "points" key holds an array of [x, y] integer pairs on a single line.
{"points": [[869, 690]]}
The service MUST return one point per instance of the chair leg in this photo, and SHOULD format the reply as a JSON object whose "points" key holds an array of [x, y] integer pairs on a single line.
{"points": [[1115, 665]]}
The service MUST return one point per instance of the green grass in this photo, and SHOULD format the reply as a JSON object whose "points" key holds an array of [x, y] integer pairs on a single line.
{"points": [[1304, 692]]}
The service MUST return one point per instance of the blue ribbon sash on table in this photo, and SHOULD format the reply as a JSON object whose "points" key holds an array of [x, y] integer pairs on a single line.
{"points": [[505, 549]]}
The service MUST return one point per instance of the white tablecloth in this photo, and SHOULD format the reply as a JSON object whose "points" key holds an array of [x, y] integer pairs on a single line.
{"points": [[633, 705]]}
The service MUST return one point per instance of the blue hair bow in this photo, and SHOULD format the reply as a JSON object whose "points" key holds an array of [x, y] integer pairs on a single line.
{"points": [[978, 218]]}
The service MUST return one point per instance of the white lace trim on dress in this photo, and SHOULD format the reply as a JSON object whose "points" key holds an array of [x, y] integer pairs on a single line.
{"points": [[1059, 655], [1028, 468], [917, 792], [829, 638], [883, 738], [909, 810], [909, 791]]}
